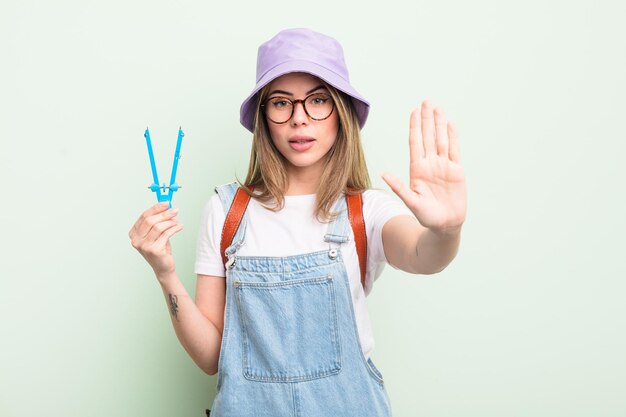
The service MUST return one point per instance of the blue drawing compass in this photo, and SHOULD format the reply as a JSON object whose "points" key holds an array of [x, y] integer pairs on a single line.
{"points": [[160, 190]]}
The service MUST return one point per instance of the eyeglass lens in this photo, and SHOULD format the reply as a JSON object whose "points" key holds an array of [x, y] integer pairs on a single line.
{"points": [[318, 106]]}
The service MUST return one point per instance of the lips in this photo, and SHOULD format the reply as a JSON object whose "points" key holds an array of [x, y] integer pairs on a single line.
{"points": [[301, 143]]}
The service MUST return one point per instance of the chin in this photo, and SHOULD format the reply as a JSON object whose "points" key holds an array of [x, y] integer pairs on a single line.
{"points": [[304, 162]]}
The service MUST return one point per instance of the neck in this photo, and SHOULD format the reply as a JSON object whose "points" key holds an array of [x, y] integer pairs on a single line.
{"points": [[303, 181]]}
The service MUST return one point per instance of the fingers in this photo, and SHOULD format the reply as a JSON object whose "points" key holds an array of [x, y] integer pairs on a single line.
{"points": [[416, 145], [442, 133], [151, 217], [152, 237], [167, 233], [157, 208], [154, 227], [428, 127], [455, 151], [159, 229], [438, 136]]}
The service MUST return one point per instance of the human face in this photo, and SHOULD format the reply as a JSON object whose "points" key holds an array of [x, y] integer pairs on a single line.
{"points": [[303, 142]]}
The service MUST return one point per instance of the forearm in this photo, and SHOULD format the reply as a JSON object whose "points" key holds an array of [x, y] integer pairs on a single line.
{"points": [[435, 250], [200, 338]]}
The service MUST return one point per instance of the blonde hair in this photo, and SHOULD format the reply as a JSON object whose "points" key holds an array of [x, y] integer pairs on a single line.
{"points": [[344, 170]]}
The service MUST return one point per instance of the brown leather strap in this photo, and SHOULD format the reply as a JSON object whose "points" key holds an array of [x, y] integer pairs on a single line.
{"points": [[233, 219], [355, 214]]}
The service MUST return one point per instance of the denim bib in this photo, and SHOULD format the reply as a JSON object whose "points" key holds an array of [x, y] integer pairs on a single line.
{"points": [[290, 346]]}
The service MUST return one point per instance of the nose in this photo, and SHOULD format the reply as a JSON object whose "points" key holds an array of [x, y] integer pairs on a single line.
{"points": [[299, 115]]}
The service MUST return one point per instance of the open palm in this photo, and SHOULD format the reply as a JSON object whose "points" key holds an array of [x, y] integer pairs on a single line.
{"points": [[436, 191]]}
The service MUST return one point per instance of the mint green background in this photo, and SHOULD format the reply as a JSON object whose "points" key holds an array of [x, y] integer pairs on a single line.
{"points": [[528, 320]]}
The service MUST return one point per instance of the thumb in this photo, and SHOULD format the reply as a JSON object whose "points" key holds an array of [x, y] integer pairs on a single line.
{"points": [[399, 188]]}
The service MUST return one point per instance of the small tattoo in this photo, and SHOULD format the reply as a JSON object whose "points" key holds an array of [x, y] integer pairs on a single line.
{"points": [[174, 306]]}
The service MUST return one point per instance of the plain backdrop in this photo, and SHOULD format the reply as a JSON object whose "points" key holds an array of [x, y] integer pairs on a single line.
{"points": [[529, 318]]}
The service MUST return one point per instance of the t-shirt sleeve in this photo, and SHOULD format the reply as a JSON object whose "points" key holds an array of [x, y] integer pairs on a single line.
{"points": [[378, 208], [208, 258]]}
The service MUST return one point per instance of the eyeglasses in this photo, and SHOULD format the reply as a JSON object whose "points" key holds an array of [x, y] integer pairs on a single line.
{"points": [[318, 106]]}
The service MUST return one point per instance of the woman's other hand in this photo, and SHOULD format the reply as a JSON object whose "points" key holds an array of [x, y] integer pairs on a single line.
{"points": [[150, 236]]}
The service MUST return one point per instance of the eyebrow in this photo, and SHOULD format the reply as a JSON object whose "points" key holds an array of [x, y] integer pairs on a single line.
{"points": [[290, 94]]}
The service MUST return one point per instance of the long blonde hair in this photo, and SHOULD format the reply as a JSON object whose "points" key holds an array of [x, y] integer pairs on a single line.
{"points": [[344, 170]]}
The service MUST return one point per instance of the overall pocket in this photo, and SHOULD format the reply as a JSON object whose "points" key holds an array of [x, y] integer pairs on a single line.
{"points": [[290, 331], [378, 377]]}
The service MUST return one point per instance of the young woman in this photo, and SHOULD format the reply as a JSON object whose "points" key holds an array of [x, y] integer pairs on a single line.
{"points": [[280, 309]]}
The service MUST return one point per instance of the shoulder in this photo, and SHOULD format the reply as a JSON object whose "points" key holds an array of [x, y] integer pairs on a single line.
{"points": [[215, 206], [219, 203], [227, 186], [214, 209], [225, 194]]}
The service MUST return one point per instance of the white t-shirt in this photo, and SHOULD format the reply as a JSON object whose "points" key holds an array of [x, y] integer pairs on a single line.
{"points": [[294, 230]]}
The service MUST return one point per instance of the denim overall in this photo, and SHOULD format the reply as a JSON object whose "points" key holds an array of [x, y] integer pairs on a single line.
{"points": [[290, 346]]}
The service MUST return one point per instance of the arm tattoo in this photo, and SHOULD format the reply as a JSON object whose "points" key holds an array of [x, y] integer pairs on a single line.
{"points": [[174, 306]]}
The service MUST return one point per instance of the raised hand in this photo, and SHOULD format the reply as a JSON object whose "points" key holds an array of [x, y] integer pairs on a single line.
{"points": [[436, 192]]}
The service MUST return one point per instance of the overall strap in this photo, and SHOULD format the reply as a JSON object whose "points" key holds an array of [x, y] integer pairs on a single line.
{"points": [[233, 219], [355, 215], [350, 211]]}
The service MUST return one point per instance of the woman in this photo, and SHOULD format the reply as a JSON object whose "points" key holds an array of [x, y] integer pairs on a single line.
{"points": [[280, 301]]}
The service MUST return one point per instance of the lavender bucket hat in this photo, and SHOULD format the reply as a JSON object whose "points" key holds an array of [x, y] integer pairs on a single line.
{"points": [[301, 50]]}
